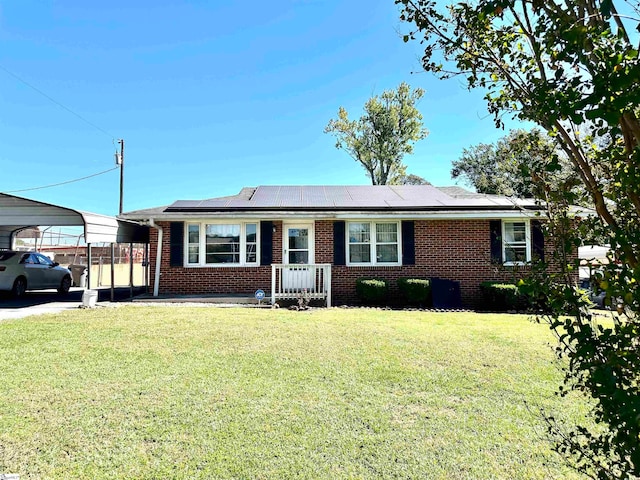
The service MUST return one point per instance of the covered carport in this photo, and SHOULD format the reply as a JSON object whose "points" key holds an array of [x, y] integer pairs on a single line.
{"points": [[17, 214]]}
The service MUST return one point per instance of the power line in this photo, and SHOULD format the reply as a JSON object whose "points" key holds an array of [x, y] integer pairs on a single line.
{"points": [[53, 100], [63, 183]]}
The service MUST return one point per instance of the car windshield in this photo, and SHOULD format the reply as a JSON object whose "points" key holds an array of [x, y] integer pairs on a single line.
{"points": [[6, 255]]}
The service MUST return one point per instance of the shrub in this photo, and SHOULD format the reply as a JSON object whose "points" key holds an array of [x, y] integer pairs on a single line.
{"points": [[372, 290], [502, 296], [415, 291]]}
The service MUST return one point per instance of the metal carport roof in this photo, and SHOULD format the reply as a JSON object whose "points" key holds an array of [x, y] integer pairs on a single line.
{"points": [[17, 213]]}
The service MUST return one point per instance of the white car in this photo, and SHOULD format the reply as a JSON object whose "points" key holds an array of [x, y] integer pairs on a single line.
{"points": [[22, 271]]}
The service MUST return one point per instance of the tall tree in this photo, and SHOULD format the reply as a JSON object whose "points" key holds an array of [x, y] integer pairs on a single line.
{"points": [[504, 167], [411, 179], [383, 135], [572, 67]]}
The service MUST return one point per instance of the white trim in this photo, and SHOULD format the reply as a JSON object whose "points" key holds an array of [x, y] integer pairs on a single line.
{"points": [[373, 243], [398, 216], [528, 241], [202, 242]]}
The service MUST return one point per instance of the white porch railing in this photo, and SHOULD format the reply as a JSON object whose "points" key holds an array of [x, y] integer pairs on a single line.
{"points": [[298, 280]]}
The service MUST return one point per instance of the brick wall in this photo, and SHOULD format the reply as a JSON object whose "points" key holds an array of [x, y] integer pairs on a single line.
{"points": [[456, 250], [324, 241], [195, 280]]}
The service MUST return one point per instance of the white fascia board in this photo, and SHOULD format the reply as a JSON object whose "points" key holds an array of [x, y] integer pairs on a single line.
{"points": [[442, 215]]}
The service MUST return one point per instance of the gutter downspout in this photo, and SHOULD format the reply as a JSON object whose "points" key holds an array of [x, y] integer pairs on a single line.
{"points": [[156, 277]]}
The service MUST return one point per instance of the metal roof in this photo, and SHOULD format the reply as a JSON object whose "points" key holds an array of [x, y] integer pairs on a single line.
{"points": [[17, 213], [360, 197]]}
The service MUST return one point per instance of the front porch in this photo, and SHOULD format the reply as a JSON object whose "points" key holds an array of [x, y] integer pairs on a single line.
{"points": [[294, 281], [288, 282]]}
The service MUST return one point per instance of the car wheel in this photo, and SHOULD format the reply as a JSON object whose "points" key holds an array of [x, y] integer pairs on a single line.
{"points": [[65, 285], [19, 287]]}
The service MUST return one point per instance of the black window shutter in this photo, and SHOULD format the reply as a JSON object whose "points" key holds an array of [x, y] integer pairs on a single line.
{"points": [[339, 247], [537, 240], [495, 227], [408, 243], [176, 240], [266, 243]]}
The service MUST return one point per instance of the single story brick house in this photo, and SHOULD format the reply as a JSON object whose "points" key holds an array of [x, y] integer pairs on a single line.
{"points": [[320, 239]]}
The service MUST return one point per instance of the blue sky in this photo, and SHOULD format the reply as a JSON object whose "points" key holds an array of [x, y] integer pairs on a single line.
{"points": [[208, 96]]}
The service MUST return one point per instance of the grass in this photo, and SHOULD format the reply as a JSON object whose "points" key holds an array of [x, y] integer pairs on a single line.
{"points": [[154, 392]]}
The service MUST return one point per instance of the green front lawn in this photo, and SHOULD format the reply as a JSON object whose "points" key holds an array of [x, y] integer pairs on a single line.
{"points": [[154, 392]]}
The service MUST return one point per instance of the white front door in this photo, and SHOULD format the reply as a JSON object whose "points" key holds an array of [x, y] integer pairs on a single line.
{"points": [[298, 253]]}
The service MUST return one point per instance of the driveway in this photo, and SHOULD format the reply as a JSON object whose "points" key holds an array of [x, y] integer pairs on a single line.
{"points": [[50, 301]]}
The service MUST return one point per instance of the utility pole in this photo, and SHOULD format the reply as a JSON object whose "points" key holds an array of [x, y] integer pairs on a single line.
{"points": [[120, 161]]}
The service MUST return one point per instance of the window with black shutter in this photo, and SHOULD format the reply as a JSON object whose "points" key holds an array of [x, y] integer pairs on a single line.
{"points": [[408, 243], [537, 240], [495, 229], [339, 247], [266, 242], [176, 240]]}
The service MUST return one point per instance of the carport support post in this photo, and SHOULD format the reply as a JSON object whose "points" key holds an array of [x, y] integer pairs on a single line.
{"points": [[113, 270], [131, 270], [145, 264], [88, 285]]}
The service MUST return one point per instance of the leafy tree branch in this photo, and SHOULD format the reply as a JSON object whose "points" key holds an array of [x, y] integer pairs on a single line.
{"points": [[573, 68]]}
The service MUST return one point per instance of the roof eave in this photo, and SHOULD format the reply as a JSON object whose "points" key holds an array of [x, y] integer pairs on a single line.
{"points": [[273, 214], [387, 209]]}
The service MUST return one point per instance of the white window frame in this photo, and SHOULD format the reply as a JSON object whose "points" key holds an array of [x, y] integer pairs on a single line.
{"points": [[372, 244], [527, 226], [187, 243], [202, 224]]}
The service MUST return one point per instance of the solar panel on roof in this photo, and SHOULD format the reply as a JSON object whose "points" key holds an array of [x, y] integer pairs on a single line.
{"points": [[410, 203], [290, 197], [346, 197], [237, 203], [315, 197], [185, 204], [337, 195], [420, 193]]}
